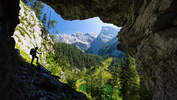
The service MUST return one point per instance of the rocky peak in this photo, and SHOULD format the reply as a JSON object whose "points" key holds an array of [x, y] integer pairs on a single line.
{"points": [[107, 33], [78, 39]]}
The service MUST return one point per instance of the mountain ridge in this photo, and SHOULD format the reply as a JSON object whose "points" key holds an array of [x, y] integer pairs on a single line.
{"points": [[78, 39], [107, 33], [88, 42], [110, 49]]}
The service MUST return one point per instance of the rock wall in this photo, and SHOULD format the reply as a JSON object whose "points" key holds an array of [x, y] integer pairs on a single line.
{"points": [[8, 21], [152, 41], [148, 34]]}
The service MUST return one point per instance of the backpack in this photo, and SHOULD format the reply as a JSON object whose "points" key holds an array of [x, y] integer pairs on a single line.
{"points": [[32, 51]]}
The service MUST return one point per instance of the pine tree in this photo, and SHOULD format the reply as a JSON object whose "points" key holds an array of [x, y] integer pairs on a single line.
{"points": [[44, 20], [52, 24], [129, 80], [38, 7]]}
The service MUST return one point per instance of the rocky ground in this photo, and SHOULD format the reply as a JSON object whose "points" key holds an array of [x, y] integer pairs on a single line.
{"points": [[36, 83]]}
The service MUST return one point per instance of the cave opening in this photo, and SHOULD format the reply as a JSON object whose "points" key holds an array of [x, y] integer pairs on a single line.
{"points": [[82, 52], [141, 36], [94, 75]]}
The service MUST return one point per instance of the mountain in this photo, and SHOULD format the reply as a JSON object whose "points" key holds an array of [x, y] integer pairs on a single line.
{"points": [[78, 39], [107, 33], [89, 42], [110, 49]]}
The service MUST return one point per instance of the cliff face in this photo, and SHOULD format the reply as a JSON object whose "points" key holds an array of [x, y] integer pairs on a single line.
{"points": [[28, 34], [148, 34]]}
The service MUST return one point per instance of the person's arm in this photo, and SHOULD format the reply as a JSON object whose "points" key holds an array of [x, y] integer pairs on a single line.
{"points": [[39, 52]]}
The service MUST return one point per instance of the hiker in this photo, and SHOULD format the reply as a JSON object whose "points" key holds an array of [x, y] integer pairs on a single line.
{"points": [[33, 53]]}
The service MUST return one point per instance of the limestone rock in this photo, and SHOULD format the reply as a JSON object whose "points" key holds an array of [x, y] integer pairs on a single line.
{"points": [[28, 33]]}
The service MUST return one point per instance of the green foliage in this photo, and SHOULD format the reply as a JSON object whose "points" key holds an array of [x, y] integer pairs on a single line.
{"points": [[72, 57], [38, 7], [44, 32], [52, 37], [129, 80], [44, 20], [52, 23], [87, 73], [53, 67], [108, 47], [98, 78]]}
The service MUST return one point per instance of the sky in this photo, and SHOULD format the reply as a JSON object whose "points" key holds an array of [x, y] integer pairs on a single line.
{"points": [[91, 25]]}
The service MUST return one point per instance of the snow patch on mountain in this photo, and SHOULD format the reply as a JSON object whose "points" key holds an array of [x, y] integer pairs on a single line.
{"points": [[78, 39], [107, 33]]}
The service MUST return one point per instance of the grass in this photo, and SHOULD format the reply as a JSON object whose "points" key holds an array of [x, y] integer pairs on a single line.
{"points": [[26, 57]]}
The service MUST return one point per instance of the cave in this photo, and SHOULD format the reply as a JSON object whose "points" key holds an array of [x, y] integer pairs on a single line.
{"points": [[149, 30]]}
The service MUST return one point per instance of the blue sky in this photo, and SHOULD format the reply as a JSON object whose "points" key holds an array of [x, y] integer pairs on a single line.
{"points": [[91, 25]]}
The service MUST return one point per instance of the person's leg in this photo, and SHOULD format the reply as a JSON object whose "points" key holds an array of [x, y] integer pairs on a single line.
{"points": [[37, 59], [32, 60]]}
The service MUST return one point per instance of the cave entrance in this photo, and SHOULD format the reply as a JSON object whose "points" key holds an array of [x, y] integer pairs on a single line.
{"points": [[82, 52]]}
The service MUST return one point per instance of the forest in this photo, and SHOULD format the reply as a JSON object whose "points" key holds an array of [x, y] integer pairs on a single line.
{"points": [[98, 77]]}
